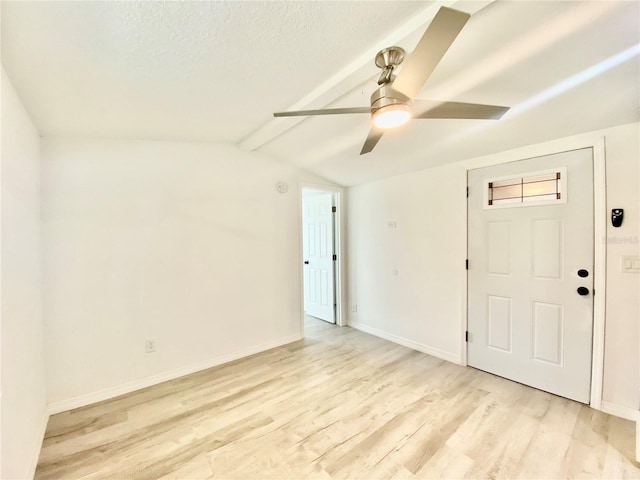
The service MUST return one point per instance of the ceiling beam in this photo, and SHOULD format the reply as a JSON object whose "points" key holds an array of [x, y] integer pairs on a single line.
{"points": [[357, 72]]}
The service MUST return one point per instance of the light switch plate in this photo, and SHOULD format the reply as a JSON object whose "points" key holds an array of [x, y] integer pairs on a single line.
{"points": [[630, 264]]}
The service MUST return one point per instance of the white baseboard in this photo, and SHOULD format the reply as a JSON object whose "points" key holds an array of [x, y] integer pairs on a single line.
{"points": [[628, 413], [435, 352], [115, 391], [620, 411], [638, 441], [38, 445]]}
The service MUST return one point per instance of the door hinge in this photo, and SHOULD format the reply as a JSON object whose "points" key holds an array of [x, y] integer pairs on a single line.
{"points": [[466, 264], [335, 257], [466, 336], [467, 192], [334, 209]]}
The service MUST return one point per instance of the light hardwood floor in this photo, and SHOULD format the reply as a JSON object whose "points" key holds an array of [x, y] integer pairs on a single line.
{"points": [[338, 404]]}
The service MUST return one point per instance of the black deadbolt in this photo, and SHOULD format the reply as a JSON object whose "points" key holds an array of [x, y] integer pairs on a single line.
{"points": [[306, 262], [583, 291], [583, 273]]}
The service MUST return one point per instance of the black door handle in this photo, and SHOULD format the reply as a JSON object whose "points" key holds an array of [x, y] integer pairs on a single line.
{"points": [[306, 262], [583, 291], [583, 273]]}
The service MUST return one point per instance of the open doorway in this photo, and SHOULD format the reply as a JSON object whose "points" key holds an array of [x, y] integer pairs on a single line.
{"points": [[321, 254]]}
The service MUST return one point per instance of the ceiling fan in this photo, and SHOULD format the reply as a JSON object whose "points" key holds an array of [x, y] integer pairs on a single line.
{"points": [[393, 103]]}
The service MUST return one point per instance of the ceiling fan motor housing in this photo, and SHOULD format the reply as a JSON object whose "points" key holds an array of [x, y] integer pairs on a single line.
{"points": [[385, 96]]}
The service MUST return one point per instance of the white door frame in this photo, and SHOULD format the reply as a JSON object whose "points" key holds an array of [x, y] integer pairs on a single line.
{"points": [[339, 227], [597, 144]]}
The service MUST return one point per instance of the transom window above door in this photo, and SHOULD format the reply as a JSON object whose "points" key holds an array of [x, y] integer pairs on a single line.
{"points": [[535, 188]]}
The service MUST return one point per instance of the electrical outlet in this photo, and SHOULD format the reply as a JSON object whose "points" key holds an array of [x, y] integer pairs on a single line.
{"points": [[354, 307], [150, 345]]}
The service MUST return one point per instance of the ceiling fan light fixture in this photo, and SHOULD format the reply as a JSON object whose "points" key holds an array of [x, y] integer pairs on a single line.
{"points": [[391, 116]]}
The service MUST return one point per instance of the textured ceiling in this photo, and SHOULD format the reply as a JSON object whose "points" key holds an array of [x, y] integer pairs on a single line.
{"points": [[215, 71], [204, 71]]}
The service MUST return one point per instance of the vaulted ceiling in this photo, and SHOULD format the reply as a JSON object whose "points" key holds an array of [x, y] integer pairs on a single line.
{"points": [[216, 71]]}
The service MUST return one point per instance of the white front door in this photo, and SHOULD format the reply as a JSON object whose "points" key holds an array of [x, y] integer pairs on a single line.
{"points": [[318, 251], [530, 249]]}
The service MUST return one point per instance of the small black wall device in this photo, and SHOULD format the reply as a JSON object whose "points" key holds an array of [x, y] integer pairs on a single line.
{"points": [[617, 214]]}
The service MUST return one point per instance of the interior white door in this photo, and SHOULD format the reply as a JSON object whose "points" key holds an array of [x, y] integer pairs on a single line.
{"points": [[530, 279], [318, 251]]}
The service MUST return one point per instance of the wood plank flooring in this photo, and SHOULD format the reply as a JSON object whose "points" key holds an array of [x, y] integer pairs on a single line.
{"points": [[338, 404]]}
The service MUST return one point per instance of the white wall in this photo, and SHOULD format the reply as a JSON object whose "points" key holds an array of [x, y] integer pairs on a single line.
{"points": [[23, 394], [420, 305], [423, 306], [622, 347], [189, 244]]}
